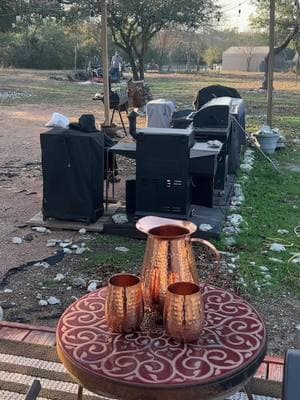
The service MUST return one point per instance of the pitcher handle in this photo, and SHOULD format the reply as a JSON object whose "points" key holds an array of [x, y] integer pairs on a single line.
{"points": [[213, 249]]}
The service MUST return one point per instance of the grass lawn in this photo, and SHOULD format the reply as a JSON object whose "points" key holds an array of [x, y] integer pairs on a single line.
{"points": [[272, 199]]}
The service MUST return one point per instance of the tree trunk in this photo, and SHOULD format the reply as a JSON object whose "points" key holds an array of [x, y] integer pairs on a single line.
{"points": [[277, 50], [141, 68], [135, 73]]}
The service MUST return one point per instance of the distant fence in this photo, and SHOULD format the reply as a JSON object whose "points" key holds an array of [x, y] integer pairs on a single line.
{"points": [[193, 68]]}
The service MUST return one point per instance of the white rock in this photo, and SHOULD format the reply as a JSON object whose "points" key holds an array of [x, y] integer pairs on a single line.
{"points": [[79, 282], [41, 229], [17, 240], [298, 327], [65, 244], [66, 250], [92, 287], [277, 247], [120, 218], [82, 231], [296, 260], [264, 269], [235, 219], [52, 242], [283, 231], [43, 264], [238, 189], [69, 288], [230, 241], [80, 250], [43, 303], [205, 227], [252, 263], [1, 313], [53, 300], [246, 168], [59, 277], [7, 290], [230, 230], [276, 260], [122, 249]]}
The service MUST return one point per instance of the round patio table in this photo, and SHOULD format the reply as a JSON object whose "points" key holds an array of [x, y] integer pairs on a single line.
{"points": [[150, 365]]}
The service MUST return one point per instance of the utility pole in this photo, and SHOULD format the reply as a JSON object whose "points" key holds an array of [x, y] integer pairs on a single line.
{"points": [[105, 63], [271, 62]]}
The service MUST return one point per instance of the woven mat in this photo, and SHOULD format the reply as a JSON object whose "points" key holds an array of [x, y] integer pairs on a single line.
{"points": [[21, 363]]}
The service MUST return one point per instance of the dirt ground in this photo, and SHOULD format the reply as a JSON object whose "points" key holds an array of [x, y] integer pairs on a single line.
{"points": [[21, 182]]}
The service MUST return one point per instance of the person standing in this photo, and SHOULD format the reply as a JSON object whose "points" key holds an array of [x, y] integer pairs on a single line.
{"points": [[116, 65]]}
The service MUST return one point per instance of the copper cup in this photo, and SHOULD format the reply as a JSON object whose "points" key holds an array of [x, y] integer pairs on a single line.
{"points": [[184, 311], [124, 308]]}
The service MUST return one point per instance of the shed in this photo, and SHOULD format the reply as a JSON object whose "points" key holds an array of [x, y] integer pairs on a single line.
{"points": [[250, 58]]}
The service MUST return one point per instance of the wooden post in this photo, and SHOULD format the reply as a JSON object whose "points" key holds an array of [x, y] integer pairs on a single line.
{"points": [[105, 62], [271, 62]]}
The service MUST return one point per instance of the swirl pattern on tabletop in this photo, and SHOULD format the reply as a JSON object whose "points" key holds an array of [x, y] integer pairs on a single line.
{"points": [[233, 336]]}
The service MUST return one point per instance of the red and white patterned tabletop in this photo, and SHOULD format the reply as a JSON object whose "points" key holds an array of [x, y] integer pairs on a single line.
{"points": [[234, 336]]}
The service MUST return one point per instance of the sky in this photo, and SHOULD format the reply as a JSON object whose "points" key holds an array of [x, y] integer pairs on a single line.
{"points": [[231, 16]]}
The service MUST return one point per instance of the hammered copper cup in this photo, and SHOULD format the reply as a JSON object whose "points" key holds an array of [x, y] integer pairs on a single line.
{"points": [[124, 308], [184, 311]]}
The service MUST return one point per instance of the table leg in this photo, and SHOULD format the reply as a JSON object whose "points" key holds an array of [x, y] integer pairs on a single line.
{"points": [[107, 179], [79, 393], [113, 175], [248, 394]]}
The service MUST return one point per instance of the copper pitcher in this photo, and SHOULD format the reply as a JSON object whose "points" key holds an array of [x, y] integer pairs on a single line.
{"points": [[168, 258]]}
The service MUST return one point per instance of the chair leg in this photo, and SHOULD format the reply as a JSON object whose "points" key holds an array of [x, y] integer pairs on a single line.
{"points": [[79, 393], [248, 394], [112, 116], [122, 122]]}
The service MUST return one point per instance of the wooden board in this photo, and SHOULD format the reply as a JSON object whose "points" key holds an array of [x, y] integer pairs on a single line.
{"points": [[55, 224]]}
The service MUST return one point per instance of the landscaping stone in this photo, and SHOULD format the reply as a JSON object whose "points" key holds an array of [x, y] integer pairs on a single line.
{"points": [[92, 286], [1, 314], [205, 227], [79, 282], [120, 218], [41, 229], [17, 240], [43, 303], [277, 247], [7, 290], [82, 231], [122, 249], [53, 300], [59, 277], [43, 264], [28, 237], [283, 231]]}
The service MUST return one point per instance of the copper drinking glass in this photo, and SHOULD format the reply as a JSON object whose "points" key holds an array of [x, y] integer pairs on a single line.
{"points": [[184, 311], [124, 308]]}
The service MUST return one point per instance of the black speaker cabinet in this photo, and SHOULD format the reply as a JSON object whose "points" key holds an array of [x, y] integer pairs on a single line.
{"points": [[163, 182]]}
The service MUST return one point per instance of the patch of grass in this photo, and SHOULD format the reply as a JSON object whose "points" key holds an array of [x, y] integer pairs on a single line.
{"points": [[272, 203], [105, 256]]}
